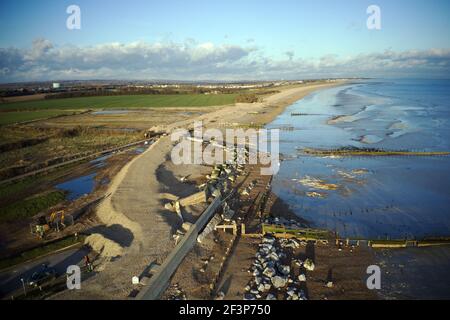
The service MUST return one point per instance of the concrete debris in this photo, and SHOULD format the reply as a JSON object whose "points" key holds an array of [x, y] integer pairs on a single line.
{"points": [[288, 224], [272, 270], [298, 262], [309, 265], [271, 297], [330, 284], [284, 269], [279, 282], [176, 293], [249, 296], [186, 226], [269, 272], [220, 296], [184, 179]]}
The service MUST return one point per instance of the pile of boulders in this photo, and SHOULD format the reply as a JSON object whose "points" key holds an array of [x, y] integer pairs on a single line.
{"points": [[272, 277], [176, 293], [292, 243]]}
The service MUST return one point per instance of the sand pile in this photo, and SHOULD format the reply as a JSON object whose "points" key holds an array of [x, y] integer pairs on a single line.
{"points": [[106, 247]]}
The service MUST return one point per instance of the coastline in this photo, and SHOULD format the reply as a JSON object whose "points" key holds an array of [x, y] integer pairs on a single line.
{"points": [[133, 214]]}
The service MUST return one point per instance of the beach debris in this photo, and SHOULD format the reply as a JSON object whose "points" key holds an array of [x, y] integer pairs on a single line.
{"points": [[302, 278], [330, 284]]}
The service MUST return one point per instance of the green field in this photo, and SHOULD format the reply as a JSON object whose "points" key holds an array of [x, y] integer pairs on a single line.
{"points": [[29, 207], [123, 102], [24, 116]]}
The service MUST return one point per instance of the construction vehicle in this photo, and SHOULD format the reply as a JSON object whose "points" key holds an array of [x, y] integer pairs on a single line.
{"points": [[56, 221]]}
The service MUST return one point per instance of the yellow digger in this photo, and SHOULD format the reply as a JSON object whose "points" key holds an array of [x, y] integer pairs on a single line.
{"points": [[55, 220]]}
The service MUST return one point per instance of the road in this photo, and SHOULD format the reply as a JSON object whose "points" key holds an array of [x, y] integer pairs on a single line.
{"points": [[10, 279]]}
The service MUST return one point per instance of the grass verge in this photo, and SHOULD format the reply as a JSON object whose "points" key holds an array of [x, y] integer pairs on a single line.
{"points": [[30, 207], [7, 118], [41, 251]]}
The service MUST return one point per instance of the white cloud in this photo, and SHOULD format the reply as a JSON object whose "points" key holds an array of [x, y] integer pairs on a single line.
{"points": [[192, 61]]}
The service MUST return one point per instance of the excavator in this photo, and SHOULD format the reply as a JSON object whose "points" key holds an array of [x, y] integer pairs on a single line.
{"points": [[55, 221]]}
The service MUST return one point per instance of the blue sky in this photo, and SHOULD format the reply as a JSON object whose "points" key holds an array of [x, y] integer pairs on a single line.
{"points": [[267, 32]]}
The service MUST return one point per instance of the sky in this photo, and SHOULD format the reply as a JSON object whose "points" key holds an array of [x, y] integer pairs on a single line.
{"points": [[223, 40]]}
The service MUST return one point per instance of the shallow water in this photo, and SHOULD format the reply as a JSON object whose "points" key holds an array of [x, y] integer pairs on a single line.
{"points": [[78, 187], [112, 112], [374, 197]]}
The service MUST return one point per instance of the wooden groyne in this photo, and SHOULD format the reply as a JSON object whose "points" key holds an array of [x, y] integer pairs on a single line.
{"points": [[324, 237], [352, 152]]}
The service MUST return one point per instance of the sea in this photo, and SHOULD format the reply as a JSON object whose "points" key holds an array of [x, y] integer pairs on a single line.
{"points": [[370, 197], [389, 197]]}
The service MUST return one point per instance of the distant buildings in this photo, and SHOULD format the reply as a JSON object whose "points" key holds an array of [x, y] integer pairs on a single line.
{"points": [[56, 85]]}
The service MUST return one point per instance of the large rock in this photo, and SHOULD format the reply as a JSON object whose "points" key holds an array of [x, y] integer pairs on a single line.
{"points": [[309, 265], [268, 240], [273, 256], [186, 226], [285, 270], [261, 288], [249, 296], [269, 272], [279, 282]]}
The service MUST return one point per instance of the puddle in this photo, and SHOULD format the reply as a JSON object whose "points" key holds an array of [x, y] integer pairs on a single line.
{"points": [[81, 186], [78, 187], [106, 112], [100, 162]]}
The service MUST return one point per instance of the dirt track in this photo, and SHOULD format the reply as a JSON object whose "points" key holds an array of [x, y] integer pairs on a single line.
{"points": [[133, 214]]}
